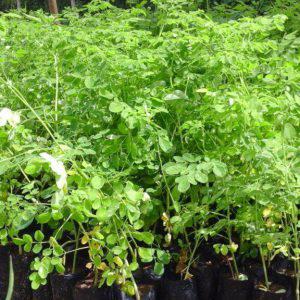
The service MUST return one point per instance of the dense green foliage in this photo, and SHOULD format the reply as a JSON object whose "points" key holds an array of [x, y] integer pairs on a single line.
{"points": [[221, 9], [142, 129]]}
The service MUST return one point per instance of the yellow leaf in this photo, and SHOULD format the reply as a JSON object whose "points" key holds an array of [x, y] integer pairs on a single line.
{"points": [[270, 246], [267, 212], [85, 239], [118, 261], [89, 265], [102, 266]]}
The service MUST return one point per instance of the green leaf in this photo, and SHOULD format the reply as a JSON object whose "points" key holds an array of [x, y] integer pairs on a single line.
{"points": [[219, 169], [134, 266], [43, 271], [118, 261], [33, 167], [97, 182], [163, 256], [164, 143], [55, 261], [89, 82], [18, 241], [146, 254], [97, 203], [176, 95], [112, 239], [44, 218], [116, 107], [39, 236], [190, 157], [37, 248], [289, 131], [5, 166], [35, 285], [146, 237], [27, 238], [224, 250], [217, 248], [102, 214], [133, 195], [201, 177], [138, 224], [58, 250], [27, 247], [111, 279], [159, 268], [60, 268], [183, 184], [174, 169]]}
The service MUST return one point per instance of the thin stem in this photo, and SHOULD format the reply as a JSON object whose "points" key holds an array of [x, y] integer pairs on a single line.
{"points": [[10, 290], [231, 270], [21, 169], [25, 102], [76, 247], [264, 268], [169, 194], [192, 255], [61, 227], [96, 277], [187, 240], [236, 270], [56, 91], [137, 294]]}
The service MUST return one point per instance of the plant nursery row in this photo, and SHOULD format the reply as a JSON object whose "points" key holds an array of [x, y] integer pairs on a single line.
{"points": [[149, 153]]}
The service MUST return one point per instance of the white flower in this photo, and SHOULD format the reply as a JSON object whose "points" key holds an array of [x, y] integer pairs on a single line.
{"points": [[112, 137], [146, 197], [58, 168], [231, 101], [202, 90], [10, 117]]}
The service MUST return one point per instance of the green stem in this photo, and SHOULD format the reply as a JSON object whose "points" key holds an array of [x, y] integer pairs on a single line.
{"points": [[76, 248], [297, 269], [207, 5], [137, 294], [192, 255], [56, 91], [11, 280], [264, 268], [26, 103], [96, 277], [236, 270], [169, 193]]}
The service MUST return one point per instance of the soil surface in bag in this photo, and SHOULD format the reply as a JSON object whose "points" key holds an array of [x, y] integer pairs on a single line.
{"points": [[255, 272], [146, 291], [4, 271], [63, 285], [85, 290], [21, 265], [231, 289], [205, 276], [44, 292], [172, 289], [146, 275], [276, 292], [284, 274]]}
